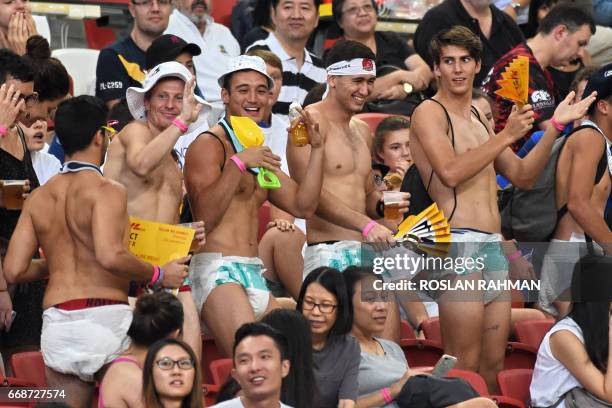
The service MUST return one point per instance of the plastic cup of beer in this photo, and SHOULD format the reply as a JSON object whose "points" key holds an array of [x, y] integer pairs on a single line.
{"points": [[299, 133], [194, 244], [392, 201], [12, 193]]}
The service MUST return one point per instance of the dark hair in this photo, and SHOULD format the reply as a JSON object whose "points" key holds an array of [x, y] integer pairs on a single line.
{"points": [[314, 95], [387, 125], [261, 329], [331, 279], [15, 66], [346, 50], [261, 13], [156, 316], [150, 395], [591, 291], [570, 16], [317, 3], [459, 36], [531, 28], [77, 121], [269, 57], [299, 385], [354, 274], [120, 112], [337, 10], [51, 80]]}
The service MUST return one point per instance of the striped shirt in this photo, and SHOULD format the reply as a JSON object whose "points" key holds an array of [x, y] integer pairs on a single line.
{"points": [[296, 82]]}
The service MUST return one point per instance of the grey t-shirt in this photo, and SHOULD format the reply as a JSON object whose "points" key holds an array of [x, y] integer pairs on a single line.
{"points": [[237, 403], [336, 369], [377, 372]]}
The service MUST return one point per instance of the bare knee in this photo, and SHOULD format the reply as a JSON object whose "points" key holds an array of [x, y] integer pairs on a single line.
{"points": [[475, 403]]}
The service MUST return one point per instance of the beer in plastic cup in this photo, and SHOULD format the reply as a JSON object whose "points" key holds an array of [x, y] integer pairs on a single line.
{"points": [[12, 193], [194, 244], [298, 132], [392, 200]]}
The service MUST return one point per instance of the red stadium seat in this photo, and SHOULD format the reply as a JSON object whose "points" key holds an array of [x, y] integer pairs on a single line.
{"points": [[372, 119], [473, 378], [210, 353], [431, 329], [221, 370], [29, 366], [506, 402], [532, 332], [515, 383], [210, 392], [519, 355], [406, 331], [421, 353], [222, 11], [98, 37]]}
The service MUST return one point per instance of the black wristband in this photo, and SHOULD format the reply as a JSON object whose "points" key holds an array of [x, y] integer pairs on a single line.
{"points": [[380, 209]]}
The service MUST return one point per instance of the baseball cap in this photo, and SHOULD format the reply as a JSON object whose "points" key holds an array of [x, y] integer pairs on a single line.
{"points": [[135, 95], [600, 81], [246, 63], [166, 48]]}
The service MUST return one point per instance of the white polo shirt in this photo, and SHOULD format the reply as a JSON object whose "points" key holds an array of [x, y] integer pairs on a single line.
{"points": [[218, 47]]}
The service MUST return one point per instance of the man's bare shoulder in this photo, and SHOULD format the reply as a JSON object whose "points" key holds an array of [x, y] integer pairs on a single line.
{"points": [[132, 130], [213, 136], [362, 128], [107, 189], [428, 115], [586, 139]]}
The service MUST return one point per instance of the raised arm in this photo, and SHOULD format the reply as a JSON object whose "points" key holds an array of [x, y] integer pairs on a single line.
{"points": [[524, 173], [430, 129], [144, 155], [22, 247]]}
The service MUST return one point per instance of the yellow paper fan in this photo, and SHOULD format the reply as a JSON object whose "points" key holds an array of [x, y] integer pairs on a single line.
{"points": [[427, 231], [514, 84]]}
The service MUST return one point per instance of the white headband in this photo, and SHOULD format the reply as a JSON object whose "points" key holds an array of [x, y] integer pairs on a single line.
{"points": [[357, 66]]}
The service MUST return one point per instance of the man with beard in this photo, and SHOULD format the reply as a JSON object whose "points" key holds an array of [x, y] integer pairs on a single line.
{"points": [[191, 21], [122, 64]]}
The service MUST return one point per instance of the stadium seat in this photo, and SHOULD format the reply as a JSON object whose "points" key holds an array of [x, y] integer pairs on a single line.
{"points": [[29, 366], [421, 353], [372, 119], [532, 332], [81, 65], [210, 353], [519, 355], [473, 378], [431, 329], [515, 383], [210, 392], [222, 11], [264, 218], [98, 37], [42, 26], [406, 331], [221, 370]]}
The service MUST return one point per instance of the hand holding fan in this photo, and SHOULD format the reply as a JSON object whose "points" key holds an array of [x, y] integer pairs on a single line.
{"points": [[429, 231]]}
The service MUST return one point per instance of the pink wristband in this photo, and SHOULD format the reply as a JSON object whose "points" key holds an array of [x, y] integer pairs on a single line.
{"points": [[386, 395], [368, 228], [180, 124], [239, 163], [557, 125], [515, 255], [3, 131], [155, 276]]}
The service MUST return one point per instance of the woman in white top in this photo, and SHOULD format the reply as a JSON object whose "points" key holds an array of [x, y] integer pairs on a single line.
{"points": [[574, 353]]}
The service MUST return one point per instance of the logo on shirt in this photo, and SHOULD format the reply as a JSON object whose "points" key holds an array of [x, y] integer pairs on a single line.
{"points": [[608, 73], [540, 96]]}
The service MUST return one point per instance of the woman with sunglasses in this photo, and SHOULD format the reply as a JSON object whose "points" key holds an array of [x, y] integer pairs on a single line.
{"points": [[324, 302], [171, 376]]}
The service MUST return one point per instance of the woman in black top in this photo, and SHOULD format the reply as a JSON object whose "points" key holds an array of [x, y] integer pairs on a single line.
{"points": [[357, 19]]}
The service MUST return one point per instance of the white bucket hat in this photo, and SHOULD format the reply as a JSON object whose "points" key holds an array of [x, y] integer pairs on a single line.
{"points": [[135, 95], [244, 63]]}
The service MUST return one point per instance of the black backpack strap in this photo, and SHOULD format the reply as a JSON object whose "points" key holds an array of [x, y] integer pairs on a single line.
{"points": [[475, 112], [450, 126], [222, 146]]}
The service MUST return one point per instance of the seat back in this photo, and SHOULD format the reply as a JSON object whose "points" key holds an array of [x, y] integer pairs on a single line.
{"points": [[221, 370], [372, 119], [81, 65], [406, 331], [29, 366], [210, 353], [515, 383], [473, 378], [222, 11], [532, 332], [421, 353], [431, 329], [519, 355]]}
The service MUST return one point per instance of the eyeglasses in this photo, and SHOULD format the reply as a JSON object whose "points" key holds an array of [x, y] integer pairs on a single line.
{"points": [[353, 11], [148, 3], [378, 180], [325, 308], [30, 100], [167, 364]]}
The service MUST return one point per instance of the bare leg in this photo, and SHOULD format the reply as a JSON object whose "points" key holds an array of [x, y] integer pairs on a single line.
{"points": [[494, 339], [520, 314], [281, 253], [192, 333], [414, 308], [475, 403], [225, 310], [78, 393]]}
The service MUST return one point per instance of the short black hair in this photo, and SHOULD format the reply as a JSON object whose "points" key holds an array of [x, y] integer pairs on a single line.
{"points": [[317, 3], [346, 50], [568, 15], [458, 36], [333, 282], [15, 66], [77, 121], [337, 10], [261, 329]]}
